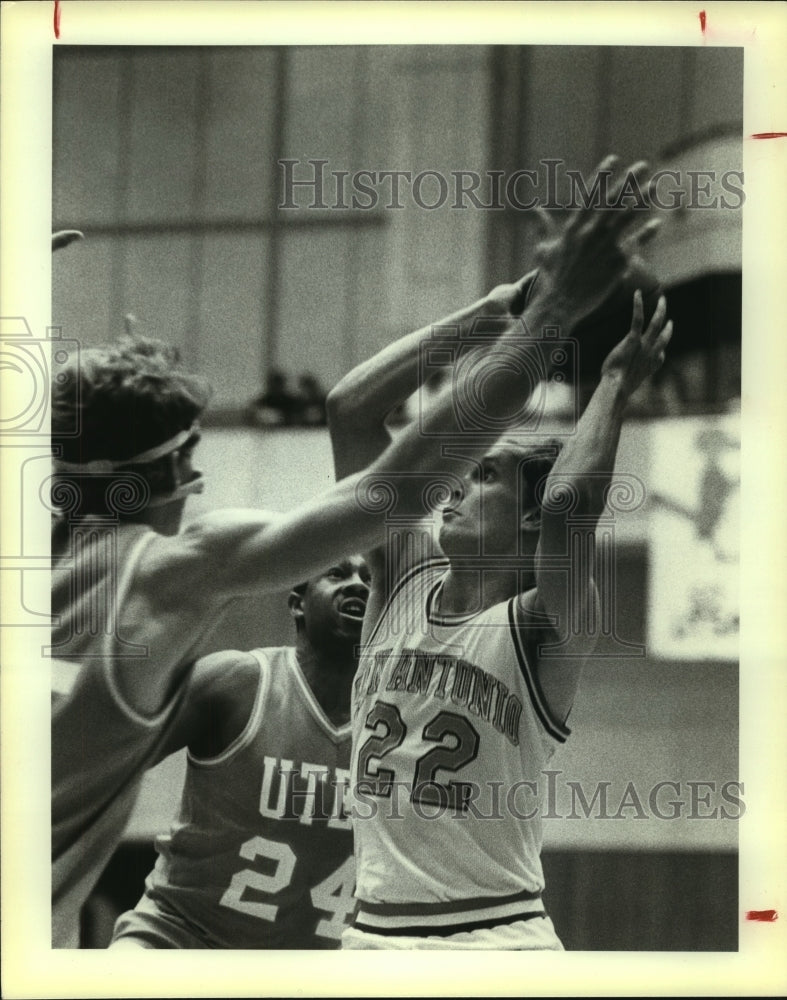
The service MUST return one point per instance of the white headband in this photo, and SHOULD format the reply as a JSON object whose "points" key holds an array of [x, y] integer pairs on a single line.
{"points": [[195, 485], [143, 458]]}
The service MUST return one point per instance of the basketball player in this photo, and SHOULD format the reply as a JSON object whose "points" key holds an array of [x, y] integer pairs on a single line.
{"points": [[134, 598], [470, 666], [260, 854]]}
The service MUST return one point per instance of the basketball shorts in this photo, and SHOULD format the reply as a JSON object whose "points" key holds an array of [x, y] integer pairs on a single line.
{"points": [[535, 934], [147, 926]]}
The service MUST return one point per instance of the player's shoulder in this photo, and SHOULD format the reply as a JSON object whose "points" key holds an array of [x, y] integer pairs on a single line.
{"points": [[275, 657], [430, 568], [416, 550], [529, 611], [224, 690], [227, 674]]}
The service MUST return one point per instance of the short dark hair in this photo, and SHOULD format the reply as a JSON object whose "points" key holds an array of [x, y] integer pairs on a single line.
{"points": [[125, 398]]}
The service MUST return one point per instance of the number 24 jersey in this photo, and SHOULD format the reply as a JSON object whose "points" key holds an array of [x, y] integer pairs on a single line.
{"points": [[260, 855]]}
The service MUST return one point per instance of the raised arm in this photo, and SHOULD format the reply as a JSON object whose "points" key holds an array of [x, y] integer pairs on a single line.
{"points": [[580, 266], [577, 487], [361, 401], [234, 553]]}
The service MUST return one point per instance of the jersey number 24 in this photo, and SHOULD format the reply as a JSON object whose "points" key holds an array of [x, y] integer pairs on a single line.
{"points": [[334, 895]]}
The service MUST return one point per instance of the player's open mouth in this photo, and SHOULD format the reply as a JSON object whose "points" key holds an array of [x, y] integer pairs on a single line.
{"points": [[354, 608]]}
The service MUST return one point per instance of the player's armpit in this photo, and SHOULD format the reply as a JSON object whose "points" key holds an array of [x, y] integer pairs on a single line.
{"points": [[221, 701], [354, 445], [358, 432], [205, 718], [405, 548], [556, 653], [378, 591]]}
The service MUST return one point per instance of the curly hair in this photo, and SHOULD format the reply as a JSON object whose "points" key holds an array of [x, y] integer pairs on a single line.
{"points": [[125, 398]]}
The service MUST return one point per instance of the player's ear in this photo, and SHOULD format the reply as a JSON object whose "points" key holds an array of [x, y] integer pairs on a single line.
{"points": [[531, 519], [162, 475], [295, 604]]}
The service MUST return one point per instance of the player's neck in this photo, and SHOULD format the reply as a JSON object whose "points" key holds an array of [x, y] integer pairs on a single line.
{"points": [[467, 591], [329, 674], [166, 520]]}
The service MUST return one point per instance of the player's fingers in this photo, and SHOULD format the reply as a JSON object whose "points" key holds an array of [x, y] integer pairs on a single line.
{"points": [[665, 336], [545, 223], [638, 238], [621, 216], [637, 314], [638, 169], [660, 347], [579, 218], [657, 320], [609, 164], [630, 178]]}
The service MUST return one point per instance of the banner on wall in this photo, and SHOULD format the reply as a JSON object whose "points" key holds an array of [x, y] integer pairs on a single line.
{"points": [[694, 533]]}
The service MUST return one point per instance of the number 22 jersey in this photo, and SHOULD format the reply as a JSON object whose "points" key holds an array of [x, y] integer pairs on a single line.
{"points": [[451, 732]]}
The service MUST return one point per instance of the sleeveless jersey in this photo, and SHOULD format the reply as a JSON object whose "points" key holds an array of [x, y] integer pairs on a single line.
{"points": [[260, 855], [101, 746], [450, 734]]}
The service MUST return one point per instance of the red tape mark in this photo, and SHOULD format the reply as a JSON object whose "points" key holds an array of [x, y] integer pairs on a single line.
{"points": [[57, 18], [770, 135], [702, 21], [766, 915]]}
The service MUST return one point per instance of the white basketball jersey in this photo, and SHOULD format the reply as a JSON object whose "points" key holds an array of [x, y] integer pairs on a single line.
{"points": [[451, 732]]}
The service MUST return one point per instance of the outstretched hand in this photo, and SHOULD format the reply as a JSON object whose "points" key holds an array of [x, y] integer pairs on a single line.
{"points": [[582, 262], [639, 354]]}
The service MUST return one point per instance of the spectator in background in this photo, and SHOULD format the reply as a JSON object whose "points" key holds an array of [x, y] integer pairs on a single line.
{"points": [[276, 406], [311, 399]]}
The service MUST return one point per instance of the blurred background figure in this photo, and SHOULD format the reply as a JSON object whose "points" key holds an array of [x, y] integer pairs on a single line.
{"points": [[311, 402], [277, 406]]}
